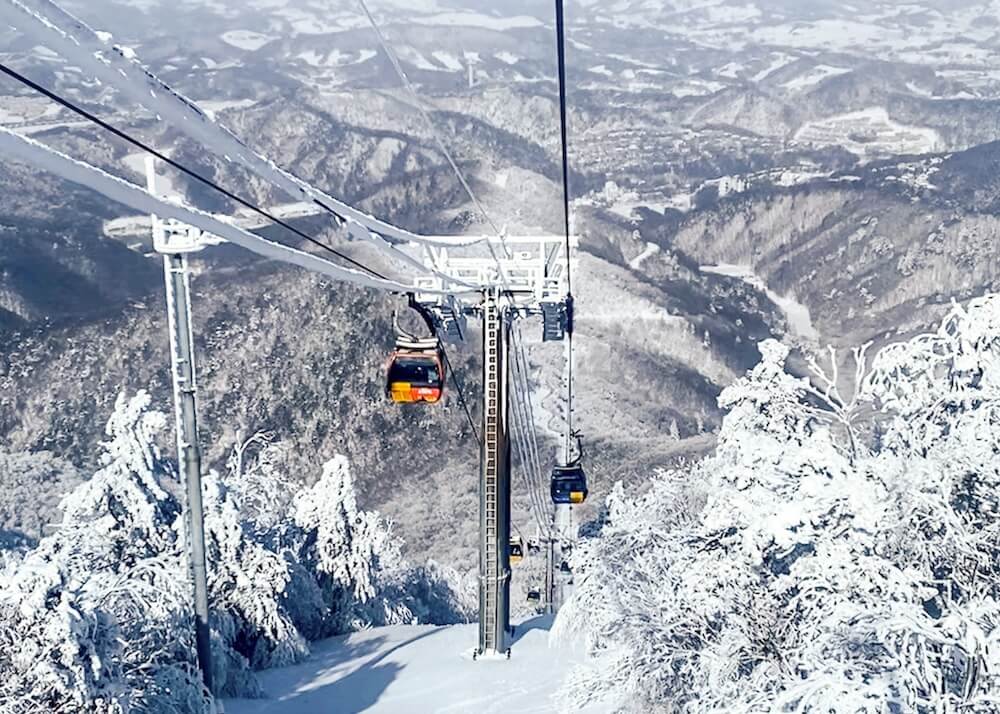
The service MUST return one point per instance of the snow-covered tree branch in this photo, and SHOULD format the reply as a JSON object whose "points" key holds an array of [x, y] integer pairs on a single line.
{"points": [[798, 569]]}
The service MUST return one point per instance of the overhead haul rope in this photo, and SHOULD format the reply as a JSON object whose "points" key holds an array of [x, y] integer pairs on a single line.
{"points": [[225, 192], [76, 109], [532, 462], [561, 48], [415, 97], [460, 388]]}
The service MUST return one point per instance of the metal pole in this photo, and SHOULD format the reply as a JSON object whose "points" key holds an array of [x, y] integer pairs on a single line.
{"points": [[550, 559], [494, 485], [564, 528], [188, 453]]}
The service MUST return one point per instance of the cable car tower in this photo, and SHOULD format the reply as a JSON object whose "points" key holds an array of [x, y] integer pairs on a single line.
{"points": [[528, 278], [495, 279]]}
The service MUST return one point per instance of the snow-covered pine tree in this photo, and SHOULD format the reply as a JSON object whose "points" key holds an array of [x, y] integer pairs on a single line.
{"points": [[95, 614], [351, 550], [817, 576], [248, 584]]}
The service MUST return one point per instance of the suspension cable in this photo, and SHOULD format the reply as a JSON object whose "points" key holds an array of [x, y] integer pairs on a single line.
{"points": [[522, 453], [561, 51], [80, 111], [460, 388], [530, 475], [522, 366], [415, 97], [524, 420]]}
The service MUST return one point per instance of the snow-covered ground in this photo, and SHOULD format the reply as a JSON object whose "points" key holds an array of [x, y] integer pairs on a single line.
{"points": [[246, 39], [814, 76], [404, 670], [870, 132]]}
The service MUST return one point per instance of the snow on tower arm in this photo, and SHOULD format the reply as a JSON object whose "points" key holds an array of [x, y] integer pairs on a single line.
{"points": [[15, 146], [117, 67]]}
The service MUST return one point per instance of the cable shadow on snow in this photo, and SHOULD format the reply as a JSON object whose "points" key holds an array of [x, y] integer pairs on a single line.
{"points": [[327, 690]]}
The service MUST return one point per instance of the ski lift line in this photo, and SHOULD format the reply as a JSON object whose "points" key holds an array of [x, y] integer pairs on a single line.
{"points": [[532, 464], [545, 513], [529, 457], [28, 150], [533, 447], [401, 73], [180, 167], [561, 51], [521, 370], [460, 389], [526, 466], [524, 423], [522, 390], [528, 470], [116, 67]]}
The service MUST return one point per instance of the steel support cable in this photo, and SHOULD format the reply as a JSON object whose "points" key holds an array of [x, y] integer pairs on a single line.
{"points": [[529, 460], [411, 90], [533, 465], [529, 411], [80, 111], [521, 371], [460, 388], [530, 467], [520, 433], [561, 51], [519, 445]]}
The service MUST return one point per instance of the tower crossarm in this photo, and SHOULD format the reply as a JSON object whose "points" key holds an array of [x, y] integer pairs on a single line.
{"points": [[22, 148], [117, 67]]}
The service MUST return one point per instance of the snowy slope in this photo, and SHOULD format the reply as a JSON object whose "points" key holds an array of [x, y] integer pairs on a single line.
{"points": [[417, 670]]}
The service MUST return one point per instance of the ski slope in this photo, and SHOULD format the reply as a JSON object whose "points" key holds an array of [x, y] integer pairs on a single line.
{"points": [[418, 670]]}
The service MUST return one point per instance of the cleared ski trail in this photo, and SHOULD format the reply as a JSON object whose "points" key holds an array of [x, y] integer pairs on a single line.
{"points": [[418, 670]]}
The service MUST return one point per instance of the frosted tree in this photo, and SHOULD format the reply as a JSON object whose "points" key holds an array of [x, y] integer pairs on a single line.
{"points": [[266, 495], [248, 584], [797, 569], [124, 509], [94, 616], [97, 616], [266, 499], [351, 550]]}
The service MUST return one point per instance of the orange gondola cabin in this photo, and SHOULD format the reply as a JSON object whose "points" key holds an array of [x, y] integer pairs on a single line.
{"points": [[416, 371]]}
